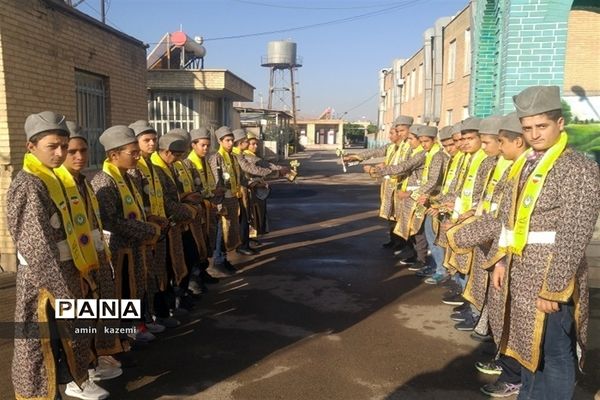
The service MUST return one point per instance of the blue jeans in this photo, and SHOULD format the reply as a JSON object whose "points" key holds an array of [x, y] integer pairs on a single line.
{"points": [[437, 253], [555, 377], [219, 256]]}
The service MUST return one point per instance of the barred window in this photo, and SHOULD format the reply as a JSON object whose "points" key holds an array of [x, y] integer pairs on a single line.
{"points": [[168, 110], [91, 97]]}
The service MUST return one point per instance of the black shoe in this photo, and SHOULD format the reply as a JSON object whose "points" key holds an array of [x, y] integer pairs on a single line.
{"points": [[404, 253], [229, 267], [256, 242], [207, 278], [388, 245], [417, 266], [461, 307], [466, 325], [408, 261], [458, 316], [456, 300], [223, 268], [246, 251]]}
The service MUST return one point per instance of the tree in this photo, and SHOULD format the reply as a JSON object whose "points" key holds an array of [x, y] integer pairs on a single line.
{"points": [[566, 111]]}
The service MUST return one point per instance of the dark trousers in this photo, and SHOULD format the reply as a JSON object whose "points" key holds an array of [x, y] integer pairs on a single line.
{"points": [[419, 243], [555, 377], [244, 228], [511, 370]]}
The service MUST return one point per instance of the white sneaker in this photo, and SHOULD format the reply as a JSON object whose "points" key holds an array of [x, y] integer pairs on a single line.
{"points": [[101, 373], [109, 361], [88, 391], [194, 287], [153, 327]]}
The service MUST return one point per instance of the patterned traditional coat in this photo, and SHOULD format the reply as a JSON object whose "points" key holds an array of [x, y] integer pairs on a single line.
{"points": [[209, 208], [258, 207], [568, 205], [179, 215], [412, 168], [230, 210], [462, 262], [129, 238], [388, 186], [36, 227], [105, 344]]}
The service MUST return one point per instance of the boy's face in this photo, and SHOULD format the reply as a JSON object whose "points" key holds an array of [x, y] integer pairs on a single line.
{"points": [[540, 132], [227, 142], [402, 131], [427, 142], [490, 145], [201, 147], [147, 143], [471, 142], [458, 141], [51, 150], [449, 146], [510, 149], [413, 141], [77, 155]]}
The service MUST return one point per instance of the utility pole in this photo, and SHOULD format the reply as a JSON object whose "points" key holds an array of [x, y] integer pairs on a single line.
{"points": [[103, 11]]}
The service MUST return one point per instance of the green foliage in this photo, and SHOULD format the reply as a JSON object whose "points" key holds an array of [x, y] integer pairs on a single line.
{"points": [[585, 138], [372, 129], [354, 131], [566, 111]]}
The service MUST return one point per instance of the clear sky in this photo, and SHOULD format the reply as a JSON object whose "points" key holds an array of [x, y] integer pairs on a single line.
{"points": [[341, 59]]}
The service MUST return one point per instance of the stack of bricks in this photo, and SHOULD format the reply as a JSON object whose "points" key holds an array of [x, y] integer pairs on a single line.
{"points": [[42, 44]]}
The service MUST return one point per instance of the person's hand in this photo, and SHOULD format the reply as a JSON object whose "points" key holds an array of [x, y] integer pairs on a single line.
{"points": [[546, 306], [498, 275], [193, 197], [351, 157], [284, 171], [403, 195], [432, 211], [380, 165], [160, 221], [422, 200]]}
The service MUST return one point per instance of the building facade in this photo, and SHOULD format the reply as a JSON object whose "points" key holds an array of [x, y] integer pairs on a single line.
{"points": [[493, 49], [53, 57]]}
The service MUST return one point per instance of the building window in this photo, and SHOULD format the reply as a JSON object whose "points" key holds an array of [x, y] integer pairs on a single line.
{"points": [[465, 112], [168, 110], [421, 78], [451, 61], [467, 63], [449, 117], [412, 83], [90, 92], [407, 85]]}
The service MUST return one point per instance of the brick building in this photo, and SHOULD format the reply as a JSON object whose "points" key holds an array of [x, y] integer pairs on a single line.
{"points": [[53, 57], [493, 49]]}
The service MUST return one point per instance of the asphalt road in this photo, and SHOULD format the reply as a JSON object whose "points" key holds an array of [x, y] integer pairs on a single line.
{"points": [[321, 313]]}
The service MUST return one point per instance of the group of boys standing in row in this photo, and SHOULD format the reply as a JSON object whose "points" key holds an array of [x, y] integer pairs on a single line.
{"points": [[505, 209], [143, 228]]}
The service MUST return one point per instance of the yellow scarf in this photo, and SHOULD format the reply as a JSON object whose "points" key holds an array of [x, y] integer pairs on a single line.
{"points": [[433, 151], [390, 152], [133, 204], [155, 192], [415, 152], [451, 173], [65, 195], [466, 195], [404, 150], [231, 170], [237, 151], [207, 178], [527, 199], [249, 153], [501, 166], [185, 177]]}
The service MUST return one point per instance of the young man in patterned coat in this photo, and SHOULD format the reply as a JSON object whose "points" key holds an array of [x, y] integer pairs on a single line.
{"points": [[131, 234], [539, 251], [478, 235], [40, 221], [398, 150]]}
